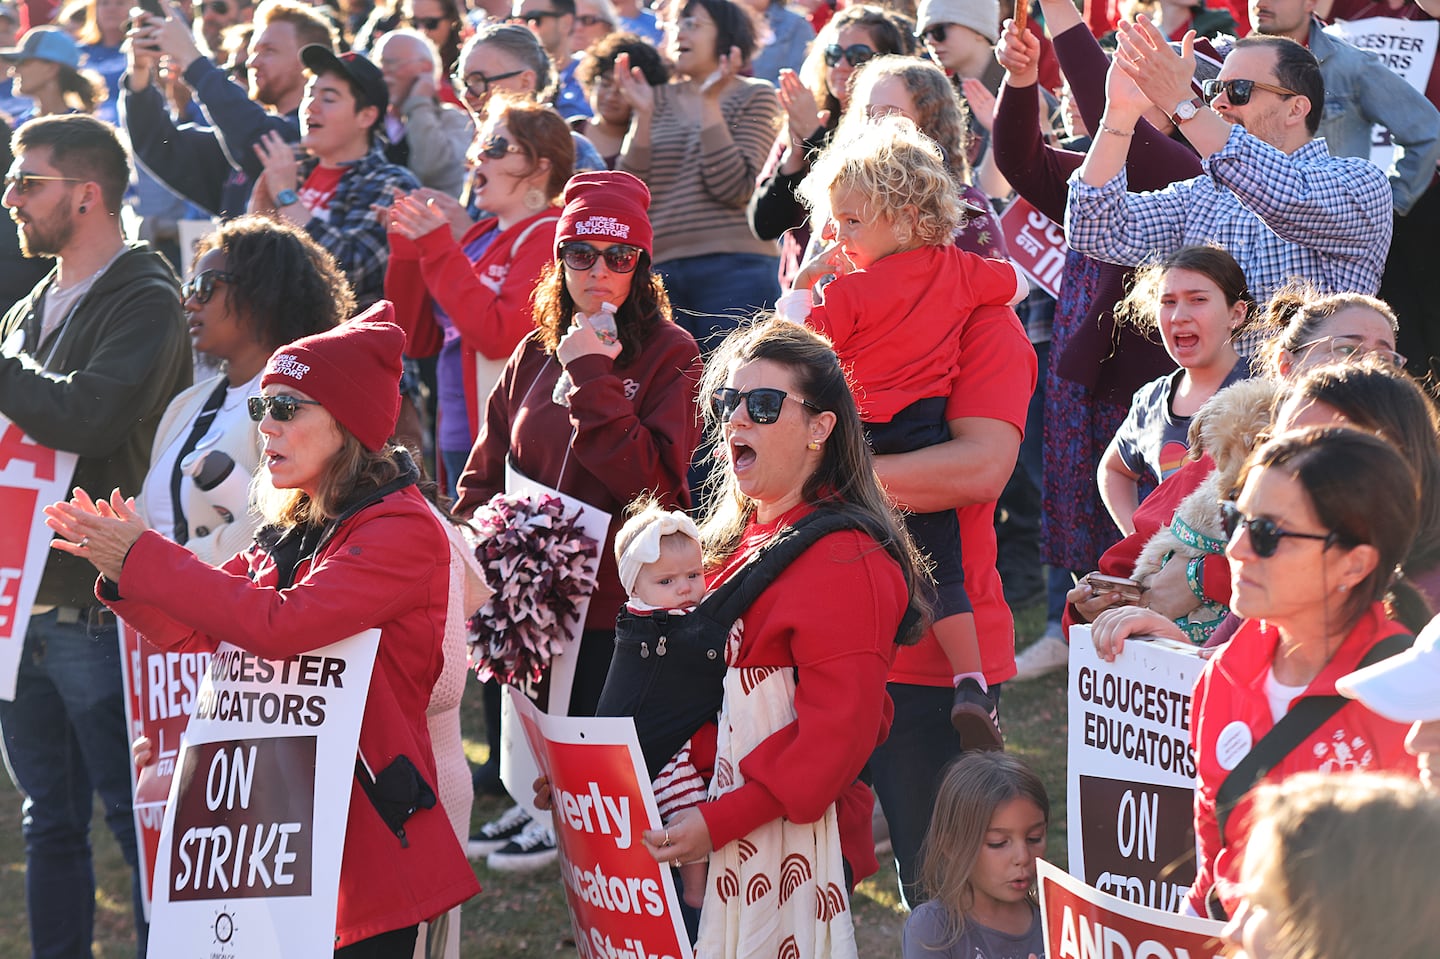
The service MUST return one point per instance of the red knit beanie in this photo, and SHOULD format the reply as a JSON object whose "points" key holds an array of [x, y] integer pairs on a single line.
{"points": [[353, 371], [606, 205]]}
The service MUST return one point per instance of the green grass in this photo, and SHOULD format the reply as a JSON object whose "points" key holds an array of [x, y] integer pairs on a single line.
{"points": [[524, 917]]}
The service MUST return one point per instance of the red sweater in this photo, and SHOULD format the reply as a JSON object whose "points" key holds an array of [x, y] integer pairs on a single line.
{"points": [[1230, 710], [996, 377], [896, 325], [388, 567], [832, 616], [628, 430], [488, 301]]}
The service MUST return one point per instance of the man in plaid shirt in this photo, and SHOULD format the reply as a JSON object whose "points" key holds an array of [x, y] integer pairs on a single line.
{"points": [[1271, 194]]}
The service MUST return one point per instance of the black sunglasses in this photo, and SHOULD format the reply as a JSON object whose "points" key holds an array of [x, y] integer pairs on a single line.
{"points": [[426, 23], [618, 258], [478, 84], [221, 8], [1265, 535], [590, 20], [856, 53], [1238, 92], [496, 147], [762, 404], [936, 32], [22, 182], [281, 408], [535, 17], [202, 285]]}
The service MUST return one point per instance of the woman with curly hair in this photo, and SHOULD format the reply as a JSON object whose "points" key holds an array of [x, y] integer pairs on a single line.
{"points": [[610, 121]]}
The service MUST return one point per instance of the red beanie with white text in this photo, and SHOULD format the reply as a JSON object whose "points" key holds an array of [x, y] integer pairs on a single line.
{"points": [[607, 205]]}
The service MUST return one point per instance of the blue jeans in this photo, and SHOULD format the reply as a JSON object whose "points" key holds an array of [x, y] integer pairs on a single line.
{"points": [[65, 740], [906, 768], [710, 295]]}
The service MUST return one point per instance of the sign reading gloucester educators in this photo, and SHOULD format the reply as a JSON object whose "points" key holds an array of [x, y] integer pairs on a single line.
{"points": [[248, 863], [31, 478], [1131, 788], [622, 902], [1083, 923]]}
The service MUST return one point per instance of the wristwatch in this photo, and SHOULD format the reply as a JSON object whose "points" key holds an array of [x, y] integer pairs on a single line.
{"points": [[1187, 110], [288, 197]]}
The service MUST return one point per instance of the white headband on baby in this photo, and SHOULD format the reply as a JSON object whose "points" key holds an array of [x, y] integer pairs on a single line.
{"points": [[644, 548]]}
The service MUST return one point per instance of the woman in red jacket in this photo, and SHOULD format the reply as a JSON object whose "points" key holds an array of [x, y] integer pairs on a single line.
{"points": [[349, 545]]}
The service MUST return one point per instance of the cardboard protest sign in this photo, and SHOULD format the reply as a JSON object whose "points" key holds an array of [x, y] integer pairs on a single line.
{"points": [[248, 863], [1083, 923], [31, 478], [1131, 776], [1406, 46], [622, 902], [1037, 244]]}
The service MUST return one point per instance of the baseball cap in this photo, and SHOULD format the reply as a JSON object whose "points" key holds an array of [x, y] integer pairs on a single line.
{"points": [[362, 74], [44, 43]]}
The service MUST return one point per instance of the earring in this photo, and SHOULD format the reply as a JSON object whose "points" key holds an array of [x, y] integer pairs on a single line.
{"points": [[1343, 587], [82, 208], [535, 199], [812, 445]]}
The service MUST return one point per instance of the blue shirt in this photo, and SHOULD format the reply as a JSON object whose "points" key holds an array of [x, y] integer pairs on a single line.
{"points": [[1304, 214]]}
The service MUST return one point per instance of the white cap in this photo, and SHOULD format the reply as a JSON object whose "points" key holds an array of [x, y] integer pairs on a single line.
{"points": [[1404, 688]]}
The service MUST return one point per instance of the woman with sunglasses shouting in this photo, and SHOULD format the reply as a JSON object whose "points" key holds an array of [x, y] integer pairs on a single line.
{"points": [[599, 415], [1320, 521], [462, 291], [257, 284]]}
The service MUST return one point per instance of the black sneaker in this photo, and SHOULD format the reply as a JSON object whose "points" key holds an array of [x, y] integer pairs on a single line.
{"points": [[532, 849], [497, 833], [973, 717]]}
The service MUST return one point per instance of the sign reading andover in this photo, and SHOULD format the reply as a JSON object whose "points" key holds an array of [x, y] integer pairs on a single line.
{"points": [[31, 478], [248, 863], [1131, 788], [622, 902], [1083, 923]]}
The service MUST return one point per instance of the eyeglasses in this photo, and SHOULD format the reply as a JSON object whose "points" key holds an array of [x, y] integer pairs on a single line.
{"points": [[590, 20], [281, 408], [22, 182], [1238, 92], [221, 8], [1265, 535], [857, 54], [935, 32], [496, 147], [1348, 347], [762, 404], [535, 17], [426, 23], [478, 84], [618, 258], [202, 285]]}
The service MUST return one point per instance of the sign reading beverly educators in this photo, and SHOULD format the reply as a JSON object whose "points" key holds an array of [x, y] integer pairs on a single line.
{"points": [[1405, 46], [1037, 244], [1131, 776], [622, 902], [31, 478], [1083, 923], [248, 863]]}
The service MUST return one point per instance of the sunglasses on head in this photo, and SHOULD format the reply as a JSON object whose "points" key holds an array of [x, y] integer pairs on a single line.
{"points": [[618, 258], [856, 53], [496, 147], [281, 408], [201, 286], [426, 23], [1265, 534], [22, 182], [221, 8], [935, 32], [478, 84], [1238, 92], [762, 404]]}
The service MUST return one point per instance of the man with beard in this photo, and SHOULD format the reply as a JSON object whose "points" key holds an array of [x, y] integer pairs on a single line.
{"points": [[89, 361], [215, 165], [1271, 194]]}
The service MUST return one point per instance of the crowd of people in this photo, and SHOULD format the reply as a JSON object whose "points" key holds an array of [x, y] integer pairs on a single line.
{"points": [[737, 271]]}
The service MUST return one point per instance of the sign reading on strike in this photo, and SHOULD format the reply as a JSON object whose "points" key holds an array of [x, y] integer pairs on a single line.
{"points": [[31, 478], [622, 902], [1083, 923], [248, 863], [1037, 244], [1131, 788]]}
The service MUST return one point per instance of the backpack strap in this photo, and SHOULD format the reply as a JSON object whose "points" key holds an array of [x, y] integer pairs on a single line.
{"points": [[1296, 726]]}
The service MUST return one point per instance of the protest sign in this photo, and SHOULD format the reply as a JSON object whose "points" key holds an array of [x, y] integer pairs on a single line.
{"points": [[31, 478], [1037, 244], [1406, 46], [248, 863], [1131, 776], [1084, 923], [622, 902]]}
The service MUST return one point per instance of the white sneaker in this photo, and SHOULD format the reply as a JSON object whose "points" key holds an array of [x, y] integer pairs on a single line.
{"points": [[532, 849], [1046, 655], [496, 833]]}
